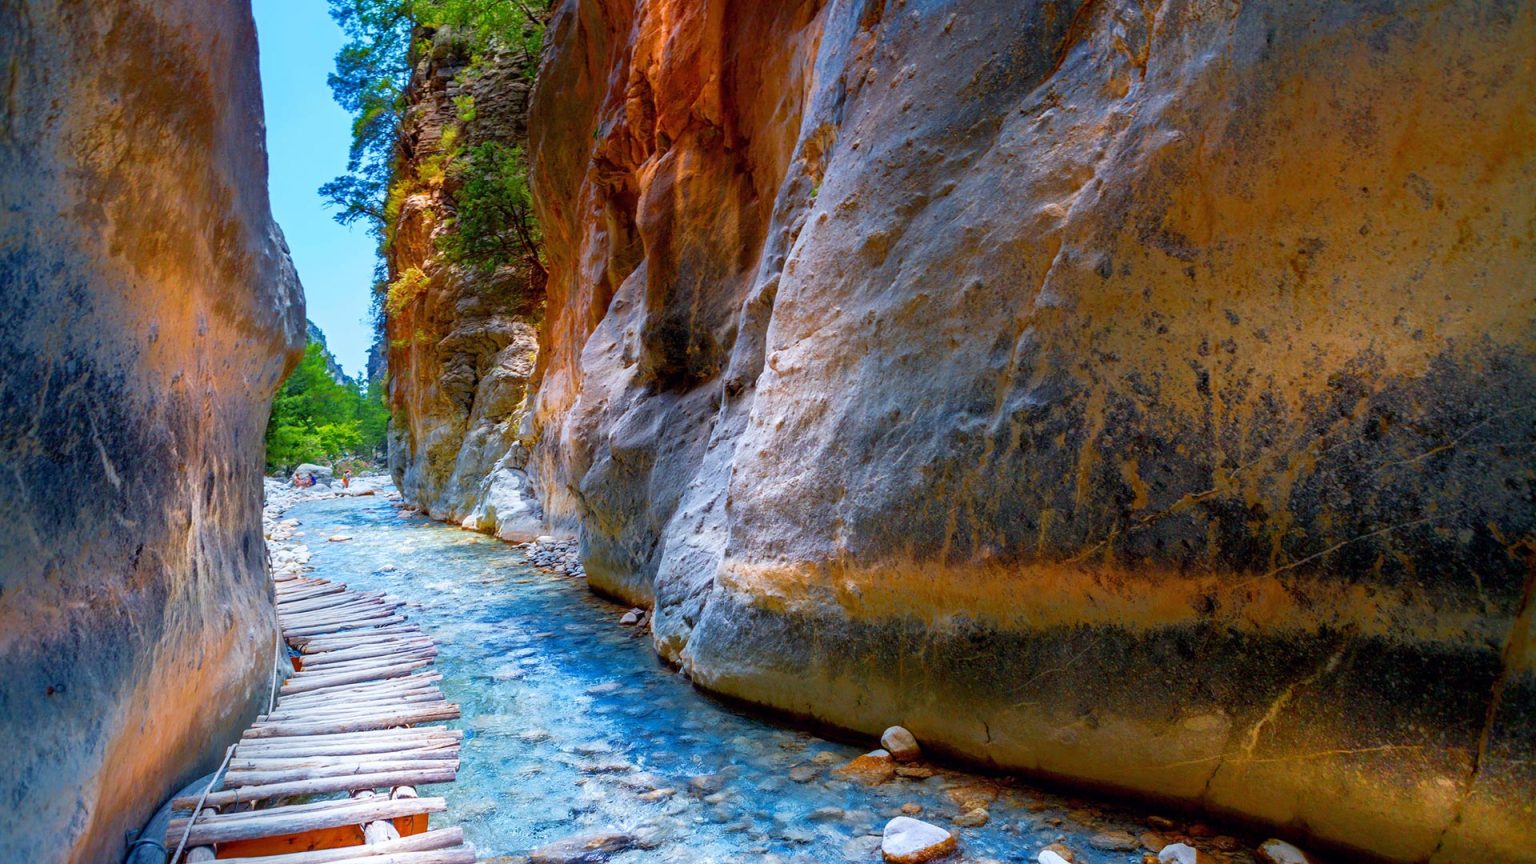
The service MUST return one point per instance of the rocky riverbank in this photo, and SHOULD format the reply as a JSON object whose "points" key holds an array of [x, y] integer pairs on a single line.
{"points": [[287, 546]]}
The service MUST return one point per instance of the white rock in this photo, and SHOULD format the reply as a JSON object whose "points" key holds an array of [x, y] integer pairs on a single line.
{"points": [[911, 841], [1178, 853], [1046, 856], [1281, 852], [631, 618], [901, 744], [339, 538]]}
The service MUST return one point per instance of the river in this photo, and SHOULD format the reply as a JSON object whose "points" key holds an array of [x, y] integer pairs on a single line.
{"points": [[572, 725]]}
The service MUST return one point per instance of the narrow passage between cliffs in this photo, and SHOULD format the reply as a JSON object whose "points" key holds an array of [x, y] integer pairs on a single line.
{"points": [[577, 738]]}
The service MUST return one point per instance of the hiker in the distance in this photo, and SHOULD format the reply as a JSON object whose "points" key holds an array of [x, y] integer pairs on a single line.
{"points": [[346, 479]]}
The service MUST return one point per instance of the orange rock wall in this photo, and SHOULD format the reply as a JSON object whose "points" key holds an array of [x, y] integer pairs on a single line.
{"points": [[1139, 394], [461, 344], [150, 310]]}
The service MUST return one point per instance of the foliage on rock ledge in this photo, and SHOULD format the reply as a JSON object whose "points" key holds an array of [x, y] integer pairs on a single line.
{"points": [[487, 184]]}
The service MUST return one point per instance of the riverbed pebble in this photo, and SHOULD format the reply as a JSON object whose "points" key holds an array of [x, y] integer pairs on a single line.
{"points": [[901, 744], [1114, 841], [1049, 856], [871, 769], [912, 841], [973, 818], [1281, 852], [1178, 853], [583, 848]]}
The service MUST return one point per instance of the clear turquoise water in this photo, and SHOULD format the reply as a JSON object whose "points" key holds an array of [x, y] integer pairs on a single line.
{"points": [[569, 722]]}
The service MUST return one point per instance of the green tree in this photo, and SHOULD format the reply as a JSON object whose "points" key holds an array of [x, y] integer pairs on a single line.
{"points": [[316, 418], [493, 215]]}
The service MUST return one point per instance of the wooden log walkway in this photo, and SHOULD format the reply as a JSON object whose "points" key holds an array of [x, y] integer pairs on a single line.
{"points": [[346, 728]]}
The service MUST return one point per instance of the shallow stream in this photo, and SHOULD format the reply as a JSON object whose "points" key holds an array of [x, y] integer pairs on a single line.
{"points": [[572, 725]]}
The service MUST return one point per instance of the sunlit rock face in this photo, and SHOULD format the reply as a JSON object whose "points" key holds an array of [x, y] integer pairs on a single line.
{"points": [[1140, 395], [150, 311], [461, 342]]}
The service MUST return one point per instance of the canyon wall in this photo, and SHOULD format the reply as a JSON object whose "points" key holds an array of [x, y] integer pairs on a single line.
{"points": [[150, 310], [461, 340], [1138, 394]]}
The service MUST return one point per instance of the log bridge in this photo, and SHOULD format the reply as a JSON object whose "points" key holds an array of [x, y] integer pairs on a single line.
{"points": [[329, 774]]}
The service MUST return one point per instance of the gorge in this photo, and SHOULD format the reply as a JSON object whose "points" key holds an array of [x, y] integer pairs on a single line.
{"points": [[1136, 397]]}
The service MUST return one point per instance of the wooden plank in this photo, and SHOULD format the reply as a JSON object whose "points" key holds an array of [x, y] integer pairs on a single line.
{"points": [[310, 604], [381, 749], [286, 606], [302, 683], [311, 591], [387, 684], [326, 629], [329, 755], [380, 654], [364, 648], [338, 608], [366, 662], [252, 824], [419, 697], [310, 644], [462, 855], [394, 631], [337, 696], [365, 651], [356, 737], [349, 612], [321, 785], [234, 779], [282, 762], [403, 718], [441, 838]]}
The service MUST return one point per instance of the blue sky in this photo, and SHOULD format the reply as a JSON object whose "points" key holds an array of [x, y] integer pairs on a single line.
{"points": [[307, 139]]}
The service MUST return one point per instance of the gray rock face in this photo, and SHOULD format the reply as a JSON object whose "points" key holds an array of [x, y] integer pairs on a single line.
{"points": [[149, 311], [1136, 393]]}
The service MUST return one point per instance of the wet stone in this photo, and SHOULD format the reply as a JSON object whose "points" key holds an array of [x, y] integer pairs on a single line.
{"points": [[1114, 841], [804, 773], [973, 818], [590, 848], [871, 769]]}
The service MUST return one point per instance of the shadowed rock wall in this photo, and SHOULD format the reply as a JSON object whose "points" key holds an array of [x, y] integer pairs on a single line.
{"points": [[1142, 394], [150, 310]]}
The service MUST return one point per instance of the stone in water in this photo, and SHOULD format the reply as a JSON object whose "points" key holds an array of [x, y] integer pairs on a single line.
{"points": [[911, 841]]}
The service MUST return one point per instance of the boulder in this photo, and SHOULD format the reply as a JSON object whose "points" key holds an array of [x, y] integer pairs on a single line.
{"points": [[323, 475], [912, 841]]}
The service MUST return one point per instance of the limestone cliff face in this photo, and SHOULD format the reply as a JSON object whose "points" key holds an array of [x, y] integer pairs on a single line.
{"points": [[461, 343], [1141, 394], [150, 310]]}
